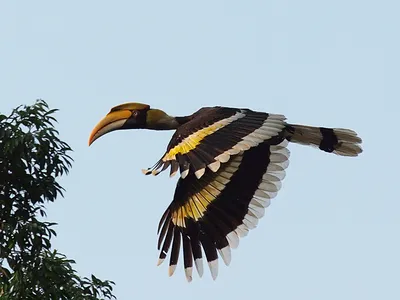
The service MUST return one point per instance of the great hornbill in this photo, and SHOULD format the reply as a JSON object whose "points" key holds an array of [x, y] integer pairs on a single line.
{"points": [[231, 162]]}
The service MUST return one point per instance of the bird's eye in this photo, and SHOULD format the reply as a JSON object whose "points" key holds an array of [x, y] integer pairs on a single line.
{"points": [[135, 113]]}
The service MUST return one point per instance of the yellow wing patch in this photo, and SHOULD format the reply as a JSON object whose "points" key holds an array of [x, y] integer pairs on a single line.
{"points": [[198, 203], [192, 141], [195, 207]]}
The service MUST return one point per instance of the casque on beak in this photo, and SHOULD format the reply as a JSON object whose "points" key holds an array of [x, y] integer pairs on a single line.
{"points": [[112, 121]]}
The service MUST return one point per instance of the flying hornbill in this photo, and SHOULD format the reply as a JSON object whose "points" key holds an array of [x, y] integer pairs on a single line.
{"points": [[231, 162]]}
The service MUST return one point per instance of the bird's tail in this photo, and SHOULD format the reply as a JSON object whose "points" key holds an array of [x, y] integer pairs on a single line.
{"points": [[337, 140]]}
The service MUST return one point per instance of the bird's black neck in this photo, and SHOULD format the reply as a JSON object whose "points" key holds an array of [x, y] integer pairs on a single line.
{"points": [[183, 120]]}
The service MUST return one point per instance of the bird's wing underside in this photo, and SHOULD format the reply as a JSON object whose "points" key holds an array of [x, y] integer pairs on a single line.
{"points": [[213, 135], [211, 213]]}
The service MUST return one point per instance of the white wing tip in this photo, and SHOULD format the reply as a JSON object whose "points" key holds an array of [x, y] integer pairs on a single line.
{"points": [[226, 254], [188, 274], [214, 166], [233, 239], [213, 268], [199, 266], [184, 174], [160, 261], [171, 270], [199, 173]]}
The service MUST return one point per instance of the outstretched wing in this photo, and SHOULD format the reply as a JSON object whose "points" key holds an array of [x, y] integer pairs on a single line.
{"points": [[211, 213], [213, 135]]}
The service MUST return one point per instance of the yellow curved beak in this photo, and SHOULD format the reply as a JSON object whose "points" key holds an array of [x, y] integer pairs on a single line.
{"points": [[112, 121]]}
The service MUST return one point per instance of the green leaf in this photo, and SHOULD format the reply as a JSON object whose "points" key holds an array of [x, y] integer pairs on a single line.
{"points": [[32, 158]]}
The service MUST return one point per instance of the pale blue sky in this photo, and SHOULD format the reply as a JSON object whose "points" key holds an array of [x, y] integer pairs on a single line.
{"points": [[333, 230]]}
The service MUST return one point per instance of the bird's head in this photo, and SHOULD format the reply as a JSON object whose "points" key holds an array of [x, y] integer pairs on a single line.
{"points": [[132, 116]]}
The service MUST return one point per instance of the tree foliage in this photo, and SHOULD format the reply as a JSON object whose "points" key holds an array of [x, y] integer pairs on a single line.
{"points": [[32, 158]]}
